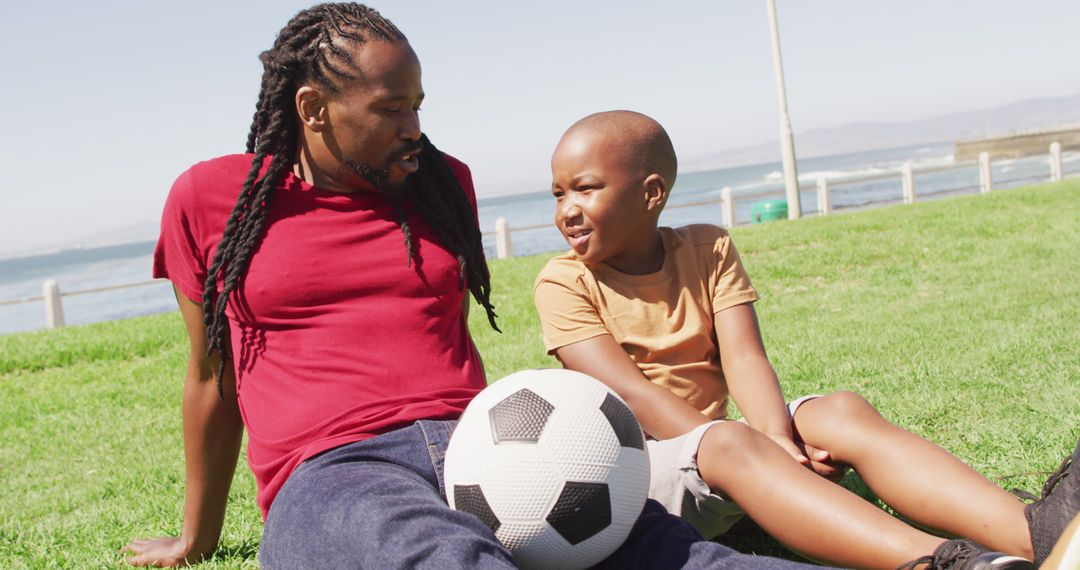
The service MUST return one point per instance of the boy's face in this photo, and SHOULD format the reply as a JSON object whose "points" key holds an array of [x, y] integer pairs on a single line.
{"points": [[600, 200]]}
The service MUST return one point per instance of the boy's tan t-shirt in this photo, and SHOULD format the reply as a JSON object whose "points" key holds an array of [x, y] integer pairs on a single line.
{"points": [[663, 320]]}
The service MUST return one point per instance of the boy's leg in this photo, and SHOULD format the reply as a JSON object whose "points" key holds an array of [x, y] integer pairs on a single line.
{"points": [[376, 504], [815, 517], [661, 540], [917, 478]]}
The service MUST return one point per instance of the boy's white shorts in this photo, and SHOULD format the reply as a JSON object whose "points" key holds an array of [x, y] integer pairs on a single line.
{"points": [[676, 482]]}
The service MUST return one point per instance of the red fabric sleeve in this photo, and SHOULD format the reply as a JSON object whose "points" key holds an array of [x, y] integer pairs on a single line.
{"points": [[178, 256]]}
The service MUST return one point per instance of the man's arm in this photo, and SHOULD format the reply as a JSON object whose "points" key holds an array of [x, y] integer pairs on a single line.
{"points": [[662, 414], [212, 434]]}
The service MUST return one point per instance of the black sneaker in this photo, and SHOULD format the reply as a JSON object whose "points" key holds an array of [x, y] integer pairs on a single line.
{"points": [[964, 554], [1060, 502]]}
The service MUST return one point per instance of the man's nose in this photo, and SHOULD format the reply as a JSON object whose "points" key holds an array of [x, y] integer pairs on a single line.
{"points": [[410, 126]]}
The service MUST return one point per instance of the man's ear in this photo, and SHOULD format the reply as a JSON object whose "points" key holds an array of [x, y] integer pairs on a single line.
{"points": [[311, 108], [656, 191]]}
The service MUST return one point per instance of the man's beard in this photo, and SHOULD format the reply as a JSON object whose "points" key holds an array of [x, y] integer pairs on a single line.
{"points": [[378, 178]]}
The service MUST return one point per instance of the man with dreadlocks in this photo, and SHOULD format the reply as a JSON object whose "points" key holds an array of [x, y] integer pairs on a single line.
{"points": [[331, 262]]}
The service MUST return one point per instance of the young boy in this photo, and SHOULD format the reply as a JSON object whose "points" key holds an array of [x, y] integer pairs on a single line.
{"points": [[665, 318]]}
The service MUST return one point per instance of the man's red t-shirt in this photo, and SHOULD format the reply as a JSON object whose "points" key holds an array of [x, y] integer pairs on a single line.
{"points": [[335, 337]]}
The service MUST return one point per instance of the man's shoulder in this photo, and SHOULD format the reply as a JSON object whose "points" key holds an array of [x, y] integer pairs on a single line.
{"points": [[461, 172], [210, 185], [459, 169], [230, 170], [229, 164], [455, 165]]}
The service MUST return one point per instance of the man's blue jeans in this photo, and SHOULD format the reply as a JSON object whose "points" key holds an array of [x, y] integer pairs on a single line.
{"points": [[380, 504]]}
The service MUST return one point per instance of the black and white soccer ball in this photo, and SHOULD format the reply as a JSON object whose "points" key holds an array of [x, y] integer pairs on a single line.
{"points": [[554, 463]]}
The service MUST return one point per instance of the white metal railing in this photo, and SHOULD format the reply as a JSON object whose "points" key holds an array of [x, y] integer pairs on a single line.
{"points": [[504, 246], [54, 309]]}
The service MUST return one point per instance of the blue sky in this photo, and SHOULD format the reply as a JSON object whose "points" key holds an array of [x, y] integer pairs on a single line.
{"points": [[107, 102]]}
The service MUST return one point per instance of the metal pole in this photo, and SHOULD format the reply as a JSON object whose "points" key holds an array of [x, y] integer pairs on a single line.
{"points": [[787, 139]]}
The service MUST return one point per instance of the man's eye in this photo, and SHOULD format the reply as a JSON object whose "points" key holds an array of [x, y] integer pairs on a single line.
{"points": [[391, 111]]}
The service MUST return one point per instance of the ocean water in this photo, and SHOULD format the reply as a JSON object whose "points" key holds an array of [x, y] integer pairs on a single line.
{"points": [[79, 270]]}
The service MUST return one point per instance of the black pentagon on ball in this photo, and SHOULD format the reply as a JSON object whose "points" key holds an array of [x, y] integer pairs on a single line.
{"points": [[623, 422], [582, 510], [519, 417], [470, 499]]}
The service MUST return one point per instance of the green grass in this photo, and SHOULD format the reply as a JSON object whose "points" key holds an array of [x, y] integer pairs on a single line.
{"points": [[957, 318]]}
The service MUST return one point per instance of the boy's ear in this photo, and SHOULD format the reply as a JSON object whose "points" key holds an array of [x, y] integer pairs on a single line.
{"points": [[656, 191], [311, 108]]}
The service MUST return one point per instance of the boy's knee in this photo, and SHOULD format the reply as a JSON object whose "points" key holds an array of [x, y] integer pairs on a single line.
{"points": [[846, 403], [843, 410], [728, 440]]}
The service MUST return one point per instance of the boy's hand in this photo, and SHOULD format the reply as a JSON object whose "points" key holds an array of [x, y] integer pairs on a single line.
{"points": [[817, 460], [822, 463], [787, 444]]}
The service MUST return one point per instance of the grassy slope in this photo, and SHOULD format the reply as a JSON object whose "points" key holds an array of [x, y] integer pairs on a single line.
{"points": [[957, 318]]}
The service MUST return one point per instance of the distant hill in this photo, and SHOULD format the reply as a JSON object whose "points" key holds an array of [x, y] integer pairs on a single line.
{"points": [[854, 137]]}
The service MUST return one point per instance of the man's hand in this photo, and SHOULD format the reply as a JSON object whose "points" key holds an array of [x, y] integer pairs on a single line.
{"points": [[167, 552]]}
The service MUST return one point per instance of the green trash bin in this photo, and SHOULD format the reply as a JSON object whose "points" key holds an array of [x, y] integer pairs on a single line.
{"points": [[768, 210]]}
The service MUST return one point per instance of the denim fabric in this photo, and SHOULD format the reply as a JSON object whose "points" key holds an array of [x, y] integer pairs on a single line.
{"points": [[380, 504]]}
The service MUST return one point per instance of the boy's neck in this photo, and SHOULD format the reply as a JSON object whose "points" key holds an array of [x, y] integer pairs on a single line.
{"points": [[645, 259]]}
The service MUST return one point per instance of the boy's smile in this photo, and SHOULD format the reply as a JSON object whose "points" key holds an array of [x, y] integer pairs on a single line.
{"points": [[578, 239]]}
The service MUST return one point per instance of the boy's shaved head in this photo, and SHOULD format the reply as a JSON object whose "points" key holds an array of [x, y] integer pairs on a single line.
{"points": [[642, 142]]}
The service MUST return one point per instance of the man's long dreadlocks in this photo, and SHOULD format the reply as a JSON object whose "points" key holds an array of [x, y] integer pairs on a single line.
{"points": [[309, 50]]}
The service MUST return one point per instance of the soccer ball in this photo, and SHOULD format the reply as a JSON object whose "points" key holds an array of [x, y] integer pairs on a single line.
{"points": [[554, 463]]}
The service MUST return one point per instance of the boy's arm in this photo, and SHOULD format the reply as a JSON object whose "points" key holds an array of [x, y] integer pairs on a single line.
{"points": [[662, 414], [751, 379], [212, 434]]}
